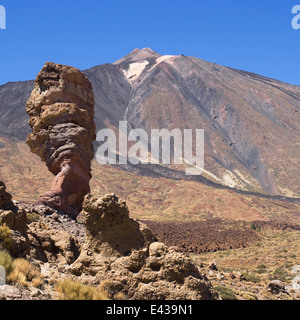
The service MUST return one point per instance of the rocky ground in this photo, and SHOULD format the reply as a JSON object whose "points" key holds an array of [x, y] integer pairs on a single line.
{"points": [[52, 241], [252, 268], [262, 264], [205, 236], [266, 270], [110, 256], [254, 285], [106, 254]]}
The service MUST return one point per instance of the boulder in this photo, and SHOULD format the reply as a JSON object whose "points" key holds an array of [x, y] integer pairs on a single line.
{"points": [[5, 197], [276, 287], [213, 266], [296, 269], [50, 245], [15, 220], [10, 293], [296, 283], [61, 110]]}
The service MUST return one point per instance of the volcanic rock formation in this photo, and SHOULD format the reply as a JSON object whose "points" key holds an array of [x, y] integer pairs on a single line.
{"points": [[5, 197], [61, 110], [13, 218], [124, 254], [36, 232]]}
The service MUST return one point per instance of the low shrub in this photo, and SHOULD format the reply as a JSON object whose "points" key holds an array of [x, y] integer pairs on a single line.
{"points": [[225, 293], [24, 273], [249, 296], [261, 268], [279, 274], [251, 277], [5, 237], [6, 261], [71, 290], [33, 217]]}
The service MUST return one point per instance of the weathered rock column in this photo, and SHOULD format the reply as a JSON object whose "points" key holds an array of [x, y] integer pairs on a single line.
{"points": [[61, 110]]}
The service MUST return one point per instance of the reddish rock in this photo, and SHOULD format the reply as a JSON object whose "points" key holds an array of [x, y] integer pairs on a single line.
{"points": [[61, 110]]}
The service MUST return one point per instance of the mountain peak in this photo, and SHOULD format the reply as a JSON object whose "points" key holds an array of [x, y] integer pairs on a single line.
{"points": [[139, 54], [146, 51]]}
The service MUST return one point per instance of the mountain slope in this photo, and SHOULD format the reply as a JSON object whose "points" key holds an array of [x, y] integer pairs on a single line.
{"points": [[149, 198], [13, 117], [251, 123]]}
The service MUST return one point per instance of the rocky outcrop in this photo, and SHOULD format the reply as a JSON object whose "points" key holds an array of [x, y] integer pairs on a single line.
{"points": [[5, 197], [115, 252], [51, 236], [61, 110], [276, 287], [37, 232], [13, 223], [123, 255]]}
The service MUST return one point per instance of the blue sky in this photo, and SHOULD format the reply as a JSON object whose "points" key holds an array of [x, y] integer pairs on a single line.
{"points": [[252, 35]]}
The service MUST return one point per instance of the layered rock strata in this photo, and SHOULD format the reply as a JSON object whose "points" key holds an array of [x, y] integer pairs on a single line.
{"points": [[61, 110]]}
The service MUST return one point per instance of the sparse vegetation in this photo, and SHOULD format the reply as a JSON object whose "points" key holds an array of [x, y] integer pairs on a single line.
{"points": [[6, 261], [279, 274], [225, 293], [255, 228], [24, 273], [251, 277], [71, 290], [261, 268], [33, 217], [5, 237], [248, 296], [258, 265]]}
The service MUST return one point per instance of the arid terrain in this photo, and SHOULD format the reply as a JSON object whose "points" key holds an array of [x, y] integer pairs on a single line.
{"points": [[239, 222], [242, 234], [248, 271]]}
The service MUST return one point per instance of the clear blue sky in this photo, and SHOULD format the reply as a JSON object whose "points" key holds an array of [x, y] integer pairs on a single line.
{"points": [[252, 35]]}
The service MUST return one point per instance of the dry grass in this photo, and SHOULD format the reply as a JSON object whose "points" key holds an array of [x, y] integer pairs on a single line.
{"points": [[72, 290], [6, 261], [270, 259], [5, 237], [277, 249], [25, 274]]}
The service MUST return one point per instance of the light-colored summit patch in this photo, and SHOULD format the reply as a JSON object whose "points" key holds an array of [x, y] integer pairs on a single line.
{"points": [[137, 61], [161, 59], [138, 55], [135, 69], [167, 58]]}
